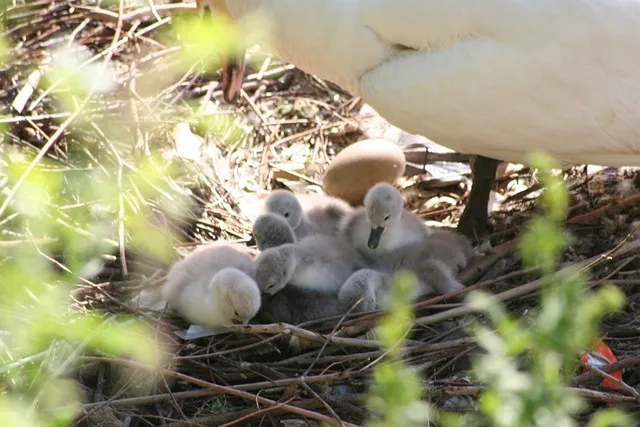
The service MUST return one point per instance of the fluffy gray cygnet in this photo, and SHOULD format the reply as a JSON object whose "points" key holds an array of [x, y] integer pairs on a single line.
{"points": [[367, 288], [296, 305], [382, 225], [213, 286], [435, 262], [450, 247], [308, 214], [316, 262], [372, 286], [271, 230]]}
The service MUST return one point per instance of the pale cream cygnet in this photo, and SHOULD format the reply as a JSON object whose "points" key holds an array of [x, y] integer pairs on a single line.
{"points": [[213, 286], [271, 230], [315, 262], [382, 224], [308, 214]]}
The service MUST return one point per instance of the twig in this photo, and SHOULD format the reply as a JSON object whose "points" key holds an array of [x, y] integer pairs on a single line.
{"points": [[526, 288], [611, 207], [476, 390], [215, 420], [589, 377], [286, 329], [256, 413], [624, 386], [218, 388]]}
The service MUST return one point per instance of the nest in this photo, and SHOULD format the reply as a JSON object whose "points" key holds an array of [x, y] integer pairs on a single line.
{"points": [[286, 129]]}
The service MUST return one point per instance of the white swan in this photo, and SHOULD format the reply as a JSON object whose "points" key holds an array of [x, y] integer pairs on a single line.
{"points": [[494, 78]]}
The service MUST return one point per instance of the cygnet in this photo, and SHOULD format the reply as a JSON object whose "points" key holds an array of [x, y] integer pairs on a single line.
{"points": [[450, 247], [315, 262], [271, 230], [382, 224], [213, 286], [308, 214], [296, 305], [435, 263], [365, 287]]}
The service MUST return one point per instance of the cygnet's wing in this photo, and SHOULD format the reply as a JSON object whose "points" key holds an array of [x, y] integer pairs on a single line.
{"points": [[434, 263], [325, 262], [435, 275], [452, 238], [294, 305], [411, 256], [452, 249], [149, 299]]}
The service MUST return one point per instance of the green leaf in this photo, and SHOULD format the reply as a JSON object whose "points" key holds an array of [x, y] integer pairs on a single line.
{"points": [[611, 418]]}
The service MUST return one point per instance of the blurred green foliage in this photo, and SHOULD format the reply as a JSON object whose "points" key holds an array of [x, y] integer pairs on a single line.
{"points": [[37, 311], [395, 397], [529, 362], [58, 223]]}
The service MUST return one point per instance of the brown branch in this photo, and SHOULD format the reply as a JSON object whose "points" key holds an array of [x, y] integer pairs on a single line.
{"points": [[621, 384], [611, 207]]}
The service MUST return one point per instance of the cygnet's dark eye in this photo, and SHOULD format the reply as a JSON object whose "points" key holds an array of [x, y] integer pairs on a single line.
{"points": [[236, 313], [386, 218], [286, 214]]}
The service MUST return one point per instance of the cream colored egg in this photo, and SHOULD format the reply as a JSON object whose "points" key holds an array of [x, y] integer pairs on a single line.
{"points": [[360, 166]]}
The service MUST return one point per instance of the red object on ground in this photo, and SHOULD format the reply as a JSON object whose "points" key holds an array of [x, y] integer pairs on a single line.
{"points": [[601, 356]]}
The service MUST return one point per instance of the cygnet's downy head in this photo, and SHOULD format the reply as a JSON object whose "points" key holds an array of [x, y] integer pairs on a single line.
{"points": [[271, 230], [273, 270], [383, 205], [285, 204], [238, 295]]}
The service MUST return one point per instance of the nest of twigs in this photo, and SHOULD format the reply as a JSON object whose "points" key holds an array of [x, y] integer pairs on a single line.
{"points": [[295, 124]]}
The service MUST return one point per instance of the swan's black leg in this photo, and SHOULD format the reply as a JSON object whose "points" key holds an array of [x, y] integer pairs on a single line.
{"points": [[474, 222]]}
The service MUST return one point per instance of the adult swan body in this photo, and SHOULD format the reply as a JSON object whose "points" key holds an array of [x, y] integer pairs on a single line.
{"points": [[497, 78]]}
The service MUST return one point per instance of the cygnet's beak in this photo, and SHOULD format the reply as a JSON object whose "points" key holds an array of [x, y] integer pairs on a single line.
{"points": [[374, 237], [232, 76], [237, 322]]}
